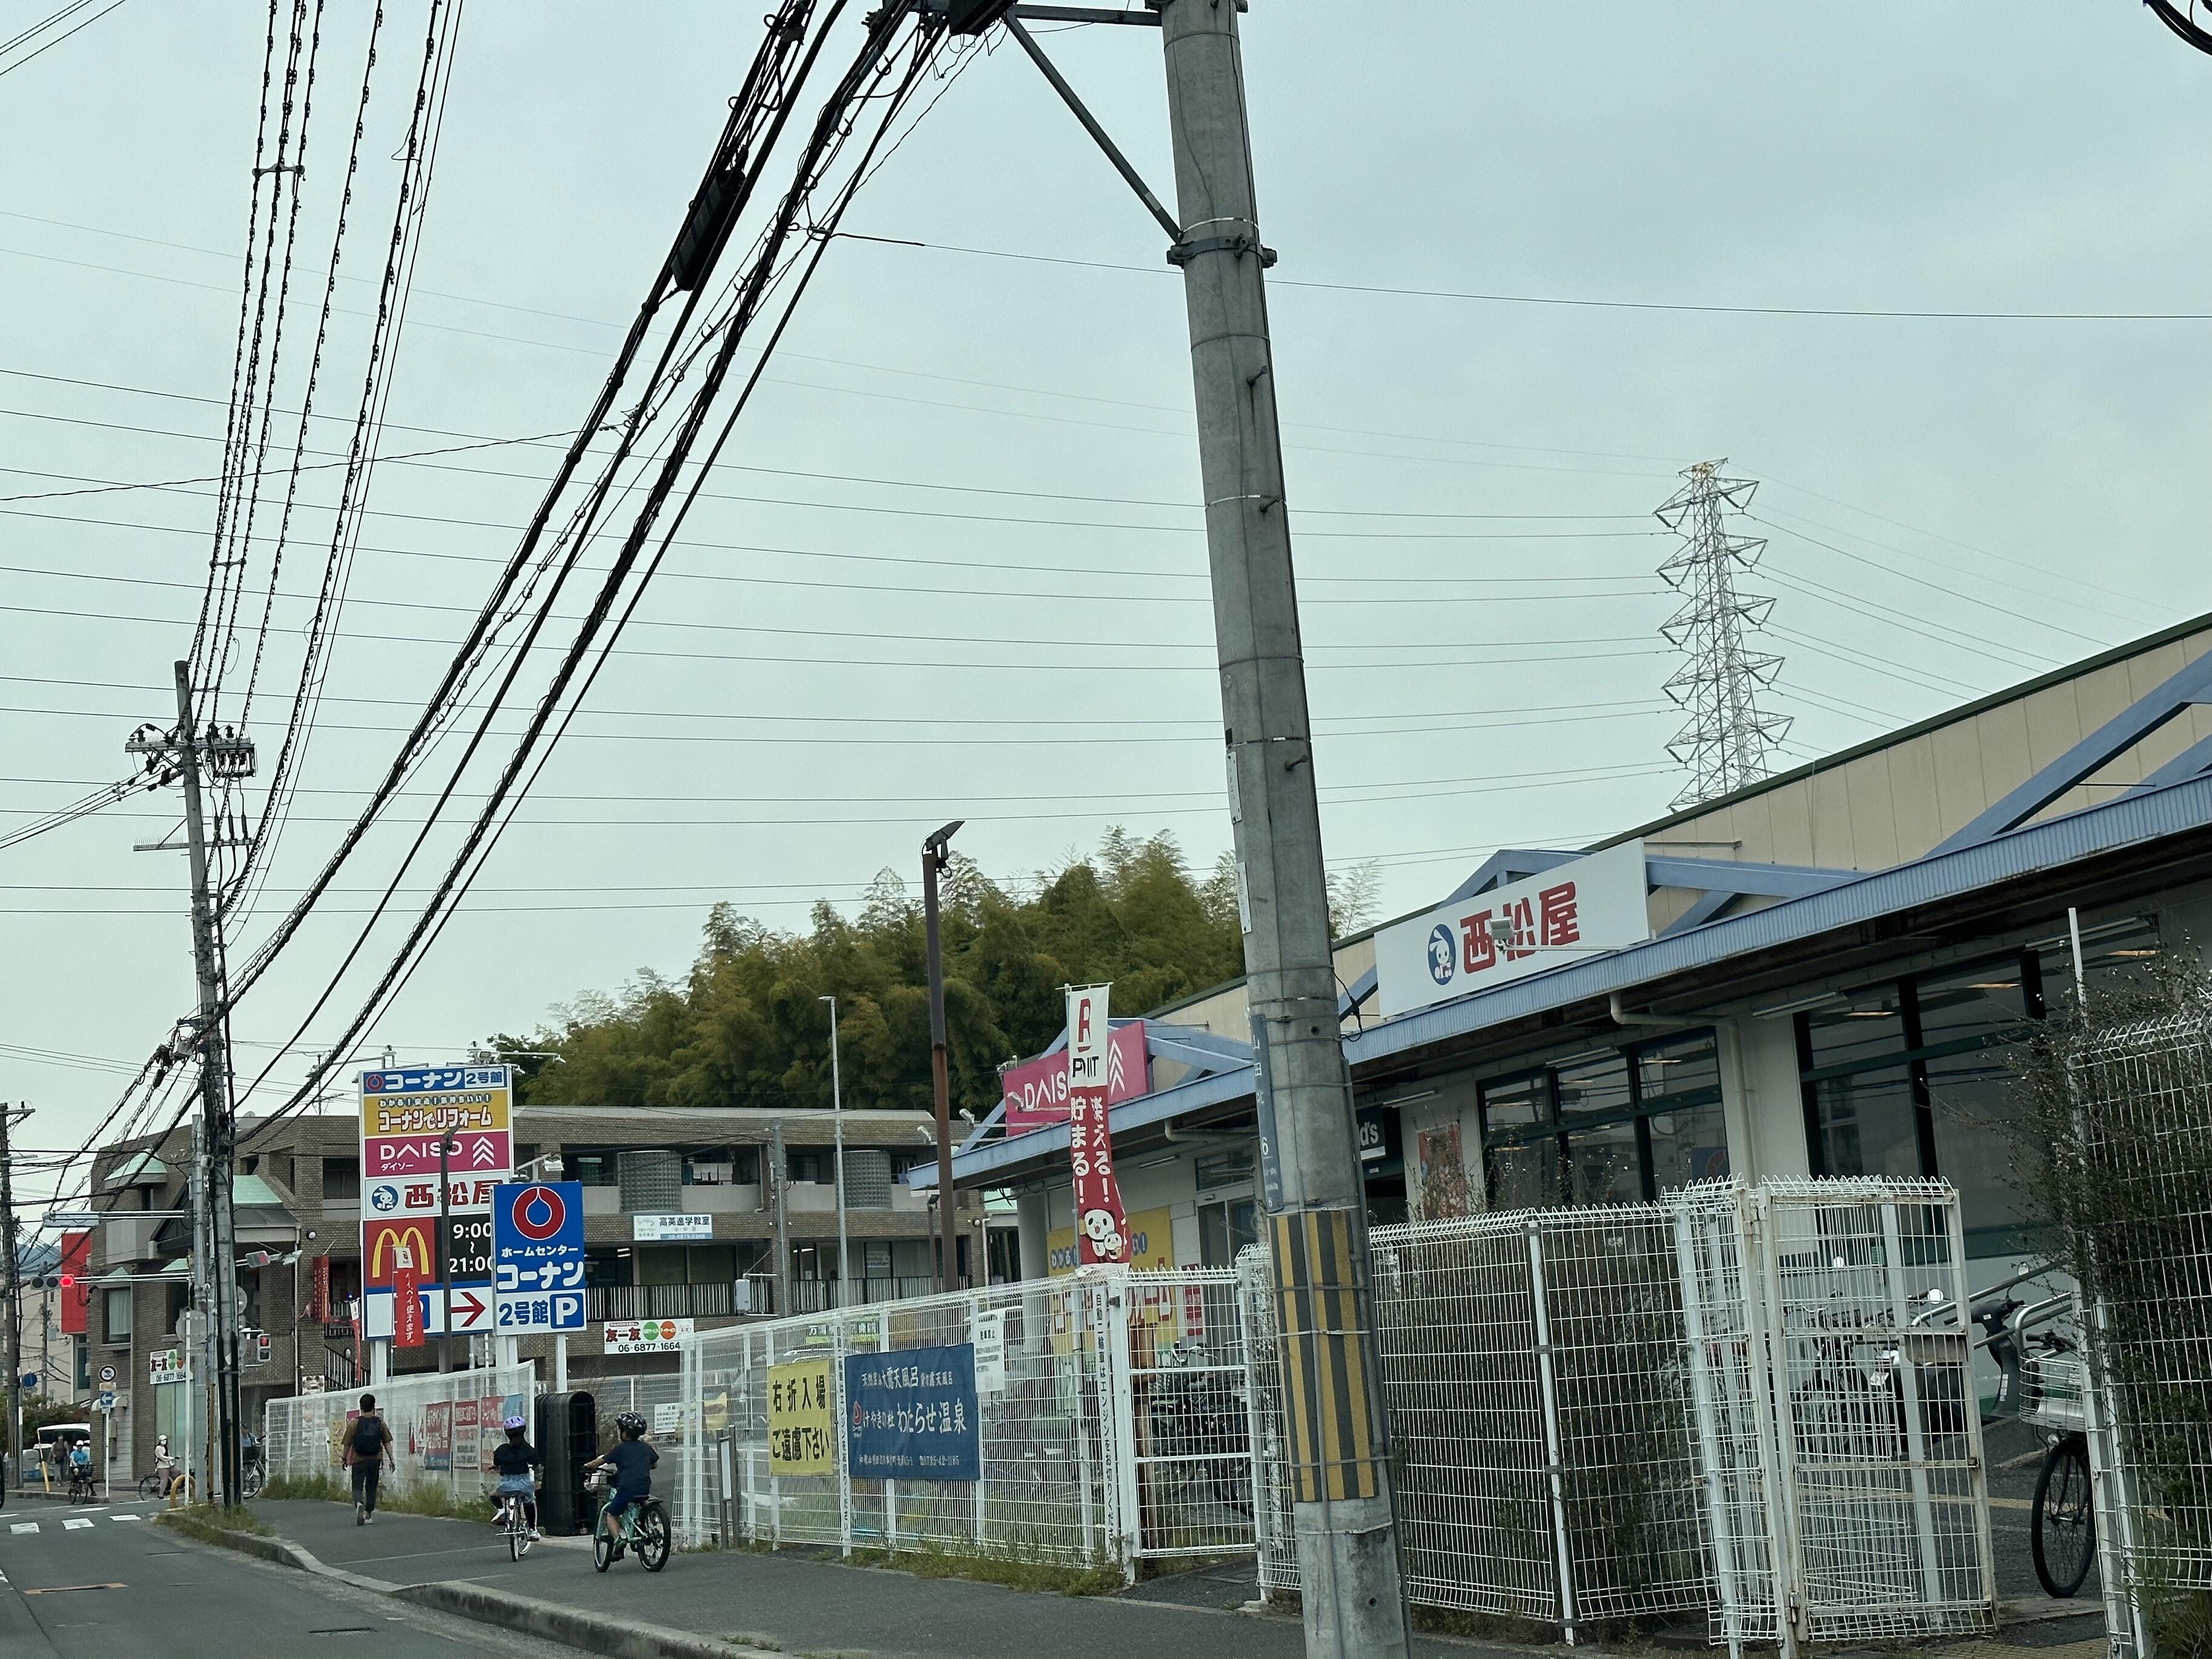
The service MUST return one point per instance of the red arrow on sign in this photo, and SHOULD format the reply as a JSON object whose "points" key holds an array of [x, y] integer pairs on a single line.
{"points": [[467, 1306]]}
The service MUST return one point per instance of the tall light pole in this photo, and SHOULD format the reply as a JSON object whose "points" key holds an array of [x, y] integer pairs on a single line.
{"points": [[837, 1122], [936, 854]]}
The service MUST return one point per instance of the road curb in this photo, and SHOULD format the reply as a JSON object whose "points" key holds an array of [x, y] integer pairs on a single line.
{"points": [[592, 1632]]}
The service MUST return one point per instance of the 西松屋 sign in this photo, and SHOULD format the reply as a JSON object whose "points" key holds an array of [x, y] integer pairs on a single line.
{"points": [[1582, 907], [1101, 1231], [1035, 1092]]}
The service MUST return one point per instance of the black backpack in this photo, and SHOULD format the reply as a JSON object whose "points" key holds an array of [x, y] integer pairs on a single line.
{"points": [[368, 1436]]}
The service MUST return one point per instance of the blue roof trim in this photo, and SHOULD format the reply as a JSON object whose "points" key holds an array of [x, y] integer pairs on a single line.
{"points": [[2103, 827]]}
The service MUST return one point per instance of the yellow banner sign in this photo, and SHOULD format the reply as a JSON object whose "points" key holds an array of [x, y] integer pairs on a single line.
{"points": [[802, 1436], [429, 1099], [1151, 1242]]}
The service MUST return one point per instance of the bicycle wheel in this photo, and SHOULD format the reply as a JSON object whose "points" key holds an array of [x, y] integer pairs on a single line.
{"points": [[2063, 1530], [603, 1547], [149, 1486], [652, 1538], [517, 1539]]}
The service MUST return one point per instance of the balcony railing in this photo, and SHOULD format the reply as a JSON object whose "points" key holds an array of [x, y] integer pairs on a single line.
{"points": [[820, 1294], [719, 1301]]}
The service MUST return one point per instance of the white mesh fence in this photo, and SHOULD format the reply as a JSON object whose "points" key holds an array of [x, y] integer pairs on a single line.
{"points": [[1112, 1425], [1592, 1417], [2139, 1224], [443, 1430]]}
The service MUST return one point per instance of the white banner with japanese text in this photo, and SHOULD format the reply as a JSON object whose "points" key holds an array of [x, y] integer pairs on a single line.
{"points": [[1101, 1229]]}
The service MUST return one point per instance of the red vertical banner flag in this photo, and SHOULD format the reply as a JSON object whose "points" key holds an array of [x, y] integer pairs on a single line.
{"points": [[318, 1310], [406, 1300], [1101, 1227]]}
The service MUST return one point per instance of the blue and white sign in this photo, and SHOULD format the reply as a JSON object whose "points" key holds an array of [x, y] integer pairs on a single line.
{"points": [[910, 1415], [537, 1256]]}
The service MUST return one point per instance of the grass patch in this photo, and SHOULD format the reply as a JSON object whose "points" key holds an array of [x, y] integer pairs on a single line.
{"points": [[210, 1525], [327, 1488], [1021, 1573]]}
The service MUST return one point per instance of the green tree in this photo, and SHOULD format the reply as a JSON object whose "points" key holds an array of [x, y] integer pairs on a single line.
{"points": [[746, 1027]]}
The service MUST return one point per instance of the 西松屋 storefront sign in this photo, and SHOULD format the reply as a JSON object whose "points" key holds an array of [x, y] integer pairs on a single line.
{"points": [[1582, 907]]}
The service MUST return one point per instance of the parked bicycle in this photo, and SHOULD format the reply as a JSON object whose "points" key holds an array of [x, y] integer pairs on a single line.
{"points": [[1197, 1417], [643, 1529]]}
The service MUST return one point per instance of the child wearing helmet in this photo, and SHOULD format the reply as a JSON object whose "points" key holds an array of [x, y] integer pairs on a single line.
{"points": [[514, 1463], [632, 1462]]}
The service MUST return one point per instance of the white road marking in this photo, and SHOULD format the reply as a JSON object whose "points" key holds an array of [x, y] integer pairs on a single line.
{"points": [[126, 1517], [76, 1523], [24, 1526]]}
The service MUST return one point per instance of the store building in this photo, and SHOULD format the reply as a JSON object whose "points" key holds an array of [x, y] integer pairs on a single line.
{"points": [[1822, 973]]}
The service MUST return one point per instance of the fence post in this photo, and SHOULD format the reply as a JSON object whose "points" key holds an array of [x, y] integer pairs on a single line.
{"points": [[1121, 1438], [1908, 1391], [2109, 1496], [1263, 1508], [1553, 1456], [691, 1397], [974, 1318], [1712, 1475], [1074, 1298], [1768, 1337], [891, 1487]]}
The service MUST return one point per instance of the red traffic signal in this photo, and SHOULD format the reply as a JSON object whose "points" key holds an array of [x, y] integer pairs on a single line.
{"points": [[68, 1281]]}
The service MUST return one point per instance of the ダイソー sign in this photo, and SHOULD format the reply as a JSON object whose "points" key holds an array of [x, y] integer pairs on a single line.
{"points": [[1035, 1092], [1581, 908], [910, 1415], [802, 1436]]}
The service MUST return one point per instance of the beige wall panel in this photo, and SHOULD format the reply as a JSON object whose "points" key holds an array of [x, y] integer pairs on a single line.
{"points": [[1914, 816], [1833, 796]]}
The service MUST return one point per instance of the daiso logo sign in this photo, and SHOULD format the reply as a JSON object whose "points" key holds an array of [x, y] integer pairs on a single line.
{"points": [[1035, 1092]]}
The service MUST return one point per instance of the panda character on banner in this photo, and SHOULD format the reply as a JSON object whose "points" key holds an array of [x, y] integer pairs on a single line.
{"points": [[1107, 1241]]}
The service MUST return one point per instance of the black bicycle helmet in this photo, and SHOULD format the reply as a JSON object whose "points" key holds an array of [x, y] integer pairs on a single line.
{"points": [[629, 1423]]}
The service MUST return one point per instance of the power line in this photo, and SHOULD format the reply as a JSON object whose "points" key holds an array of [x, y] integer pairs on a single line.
{"points": [[64, 12]]}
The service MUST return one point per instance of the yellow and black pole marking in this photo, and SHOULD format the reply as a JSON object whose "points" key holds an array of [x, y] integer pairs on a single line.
{"points": [[1321, 1308]]}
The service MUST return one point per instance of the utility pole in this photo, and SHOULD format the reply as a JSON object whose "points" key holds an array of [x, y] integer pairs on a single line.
{"points": [[443, 1252], [837, 1120], [229, 757], [1340, 1481], [779, 1174], [936, 854], [10, 1241]]}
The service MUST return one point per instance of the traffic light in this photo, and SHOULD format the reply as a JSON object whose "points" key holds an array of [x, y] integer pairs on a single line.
{"points": [[67, 1281]]}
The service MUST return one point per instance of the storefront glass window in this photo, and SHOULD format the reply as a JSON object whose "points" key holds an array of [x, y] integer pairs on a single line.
{"points": [[1679, 1065], [1868, 1027], [1688, 1144], [1525, 1176], [1868, 1124], [1603, 1165], [1226, 1229], [1974, 1149], [1593, 1085]]}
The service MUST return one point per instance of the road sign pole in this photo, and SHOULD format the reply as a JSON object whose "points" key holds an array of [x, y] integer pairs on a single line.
{"points": [[441, 1247]]}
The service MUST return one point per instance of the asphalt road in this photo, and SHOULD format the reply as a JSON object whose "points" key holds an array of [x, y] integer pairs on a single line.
{"points": [[107, 1582]]}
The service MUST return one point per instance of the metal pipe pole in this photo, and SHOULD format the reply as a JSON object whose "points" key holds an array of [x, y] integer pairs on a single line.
{"points": [[779, 1174], [935, 854], [837, 1119], [444, 1296], [1342, 1511], [220, 1147]]}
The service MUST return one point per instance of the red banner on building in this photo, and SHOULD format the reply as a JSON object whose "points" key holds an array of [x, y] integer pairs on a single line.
{"points": [[1101, 1227], [318, 1310], [1035, 1092], [77, 1292]]}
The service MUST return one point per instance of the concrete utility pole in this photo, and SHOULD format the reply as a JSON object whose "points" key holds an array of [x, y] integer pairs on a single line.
{"points": [[779, 1174], [936, 854], [14, 1274], [220, 1144], [837, 1122], [1347, 1556]]}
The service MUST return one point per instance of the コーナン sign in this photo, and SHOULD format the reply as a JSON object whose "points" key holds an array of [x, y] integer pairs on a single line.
{"points": [[1575, 909]]}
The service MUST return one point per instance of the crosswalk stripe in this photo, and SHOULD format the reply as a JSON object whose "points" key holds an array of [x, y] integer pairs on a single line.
{"points": [[75, 1523], [24, 1526], [126, 1517]]}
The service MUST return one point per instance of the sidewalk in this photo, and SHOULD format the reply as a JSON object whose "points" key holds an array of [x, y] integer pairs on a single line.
{"points": [[800, 1604]]}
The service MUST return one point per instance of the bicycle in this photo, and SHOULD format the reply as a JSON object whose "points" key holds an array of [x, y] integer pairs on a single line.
{"points": [[82, 1488], [644, 1527], [511, 1519], [2041, 1379]]}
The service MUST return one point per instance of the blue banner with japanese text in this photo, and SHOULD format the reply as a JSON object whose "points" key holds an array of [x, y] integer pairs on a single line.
{"points": [[910, 1415]]}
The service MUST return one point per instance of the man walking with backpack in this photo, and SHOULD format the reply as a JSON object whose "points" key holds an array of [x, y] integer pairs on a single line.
{"points": [[368, 1454]]}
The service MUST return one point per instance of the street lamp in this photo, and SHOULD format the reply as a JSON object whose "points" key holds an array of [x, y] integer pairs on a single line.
{"points": [[837, 1120], [936, 854]]}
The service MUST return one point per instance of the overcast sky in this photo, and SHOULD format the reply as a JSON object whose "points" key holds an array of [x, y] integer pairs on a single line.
{"points": [[965, 457]]}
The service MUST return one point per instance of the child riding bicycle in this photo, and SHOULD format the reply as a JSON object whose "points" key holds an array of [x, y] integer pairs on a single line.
{"points": [[631, 1461], [514, 1461]]}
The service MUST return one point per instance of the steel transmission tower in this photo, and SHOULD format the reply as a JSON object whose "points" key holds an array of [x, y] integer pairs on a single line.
{"points": [[1728, 737]]}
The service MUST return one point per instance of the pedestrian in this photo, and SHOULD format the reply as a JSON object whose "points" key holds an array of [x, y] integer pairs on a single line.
{"points": [[368, 1455]]}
